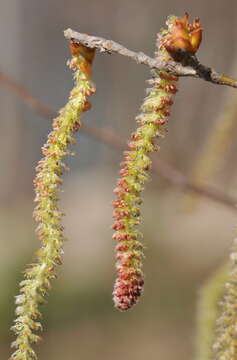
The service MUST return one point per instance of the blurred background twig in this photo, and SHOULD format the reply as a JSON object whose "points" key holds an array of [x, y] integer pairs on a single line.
{"points": [[217, 145], [160, 167]]}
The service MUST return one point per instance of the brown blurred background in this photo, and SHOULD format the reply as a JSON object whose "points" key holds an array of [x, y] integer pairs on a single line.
{"points": [[182, 247]]}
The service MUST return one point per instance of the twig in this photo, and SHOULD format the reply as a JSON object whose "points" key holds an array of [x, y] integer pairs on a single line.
{"points": [[30, 100], [106, 136], [192, 66]]}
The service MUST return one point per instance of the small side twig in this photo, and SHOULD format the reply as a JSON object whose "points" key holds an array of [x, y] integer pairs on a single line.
{"points": [[192, 66]]}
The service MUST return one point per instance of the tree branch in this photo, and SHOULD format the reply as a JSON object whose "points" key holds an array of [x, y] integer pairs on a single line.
{"points": [[190, 67], [106, 136]]}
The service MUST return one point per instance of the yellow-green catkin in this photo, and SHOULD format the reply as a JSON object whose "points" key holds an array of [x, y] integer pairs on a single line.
{"points": [[208, 310], [225, 345], [38, 276], [134, 173]]}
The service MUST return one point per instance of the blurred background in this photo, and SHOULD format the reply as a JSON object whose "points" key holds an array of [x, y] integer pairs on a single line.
{"points": [[184, 243]]}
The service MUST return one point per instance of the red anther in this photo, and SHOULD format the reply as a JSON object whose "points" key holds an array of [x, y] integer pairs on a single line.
{"points": [[118, 225], [87, 106], [118, 292], [122, 307], [119, 256], [122, 183], [135, 136], [127, 155], [132, 256], [134, 282], [119, 203], [76, 126], [169, 102], [115, 203], [136, 292], [141, 122], [123, 285], [126, 213], [115, 236], [137, 273], [161, 121], [132, 146], [168, 76], [120, 237], [116, 215], [166, 113], [123, 172], [160, 86], [124, 164], [87, 92], [159, 107], [123, 237], [166, 102], [126, 264], [168, 88], [117, 191], [120, 214], [122, 247], [120, 271], [92, 91], [125, 276], [171, 89]]}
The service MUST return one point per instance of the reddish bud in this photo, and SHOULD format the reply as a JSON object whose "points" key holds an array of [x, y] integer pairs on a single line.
{"points": [[78, 49], [183, 36]]}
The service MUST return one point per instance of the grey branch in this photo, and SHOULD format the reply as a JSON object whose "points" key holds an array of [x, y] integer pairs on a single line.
{"points": [[190, 67]]}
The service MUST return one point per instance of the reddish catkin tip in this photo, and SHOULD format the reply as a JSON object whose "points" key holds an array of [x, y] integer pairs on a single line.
{"points": [[127, 290]]}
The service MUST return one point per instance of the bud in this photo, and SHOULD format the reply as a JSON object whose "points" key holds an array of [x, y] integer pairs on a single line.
{"points": [[182, 36]]}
